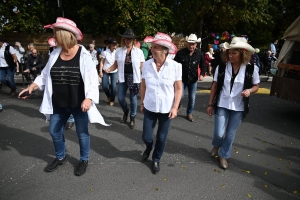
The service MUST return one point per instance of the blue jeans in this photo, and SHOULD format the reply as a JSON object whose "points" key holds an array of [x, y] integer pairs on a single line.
{"points": [[122, 89], [109, 90], [56, 128], [10, 73], [192, 88], [71, 118], [150, 119], [224, 135]]}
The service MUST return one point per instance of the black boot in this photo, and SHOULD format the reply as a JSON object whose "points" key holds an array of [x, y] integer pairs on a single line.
{"points": [[12, 93], [125, 116], [132, 122]]}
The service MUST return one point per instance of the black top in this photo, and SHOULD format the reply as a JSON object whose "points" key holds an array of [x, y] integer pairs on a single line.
{"points": [[128, 64], [67, 83], [190, 64], [36, 62]]}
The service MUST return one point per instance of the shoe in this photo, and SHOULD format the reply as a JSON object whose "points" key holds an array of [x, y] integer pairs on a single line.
{"points": [[132, 122], [69, 125], [82, 167], [223, 163], [155, 167], [190, 117], [125, 116], [17, 73], [111, 103], [54, 165], [214, 151], [12, 93], [146, 155], [108, 99]]}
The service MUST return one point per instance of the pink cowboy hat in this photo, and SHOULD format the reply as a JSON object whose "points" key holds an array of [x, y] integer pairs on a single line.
{"points": [[163, 40], [68, 25], [52, 42]]}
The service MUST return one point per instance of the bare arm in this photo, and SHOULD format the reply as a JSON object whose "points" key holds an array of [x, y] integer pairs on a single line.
{"points": [[178, 93], [248, 92], [142, 93], [112, 68], [212, 95], [101, 67]]}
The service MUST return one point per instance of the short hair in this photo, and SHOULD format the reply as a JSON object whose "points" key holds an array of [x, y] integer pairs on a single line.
{"points": [[245, 56], [92, 45], [65, 39], [111, 44]]}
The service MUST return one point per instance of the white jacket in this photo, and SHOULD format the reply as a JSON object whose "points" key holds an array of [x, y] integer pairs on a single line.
{"points": [[90, 79]]}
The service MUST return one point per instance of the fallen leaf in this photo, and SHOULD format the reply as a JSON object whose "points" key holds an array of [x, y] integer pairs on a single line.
{"points": [[286, 173], [262, 162], [236, 152], [165, 179], [216, 170], [266, 186], [223, 186], [156, 189], [249, 195], [249, 155], [258, 151], [246, 171], [91, 189], [280, 159], [295, 192], [182, 167], [290, 162], [266, 173]]}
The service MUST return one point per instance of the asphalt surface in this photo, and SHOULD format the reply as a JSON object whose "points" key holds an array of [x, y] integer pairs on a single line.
{"points": [[265, 161]]}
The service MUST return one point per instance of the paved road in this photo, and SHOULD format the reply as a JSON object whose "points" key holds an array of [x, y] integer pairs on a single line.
{"points": [[265, 161]]}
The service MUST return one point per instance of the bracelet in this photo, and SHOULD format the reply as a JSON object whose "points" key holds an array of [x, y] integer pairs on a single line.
{"points": [[250, 90]]}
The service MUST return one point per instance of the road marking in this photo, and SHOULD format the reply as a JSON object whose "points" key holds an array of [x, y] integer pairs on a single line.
{"points": [[260, 91]]}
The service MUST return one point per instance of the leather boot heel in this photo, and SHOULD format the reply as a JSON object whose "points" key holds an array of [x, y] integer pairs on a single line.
{"points": [[132, 122], [125, 116]]}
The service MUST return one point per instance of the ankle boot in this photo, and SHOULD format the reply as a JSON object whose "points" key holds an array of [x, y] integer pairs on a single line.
{"points": [[132, 122], [125, 116], [12, 93]]}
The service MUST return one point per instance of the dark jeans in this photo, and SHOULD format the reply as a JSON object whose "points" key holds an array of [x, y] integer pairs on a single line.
{"points": [[27, 76], [150, 119], [8, 72]]}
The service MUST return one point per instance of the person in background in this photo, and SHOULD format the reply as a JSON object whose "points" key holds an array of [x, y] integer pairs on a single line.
{"points": [[209, 56], [161, 90], [52, 43], [255, 59], [146, 48], [93, 53], [8, 60], [19, 53], [70, 85], [231, 104], [33, 64], [129, 62], [273, 48], [191, 59], [107, 60], [30, 47], [217, 57]]}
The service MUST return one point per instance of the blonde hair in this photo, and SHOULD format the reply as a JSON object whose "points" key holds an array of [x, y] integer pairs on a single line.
{"points": [[123, 42], [64, 38], [245, 56]]}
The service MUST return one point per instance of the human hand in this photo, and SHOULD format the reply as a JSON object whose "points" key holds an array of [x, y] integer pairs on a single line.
{"points": [[24, 94], [173, 113], [209, 110], [201, 78], [86, 105], [33, 68], [142, 109], [100, 74], [246, 93]]}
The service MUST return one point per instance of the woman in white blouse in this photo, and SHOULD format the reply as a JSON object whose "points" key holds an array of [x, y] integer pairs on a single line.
{"points": [[161, 90], [129, 61], [231, 103], [107, 60]]}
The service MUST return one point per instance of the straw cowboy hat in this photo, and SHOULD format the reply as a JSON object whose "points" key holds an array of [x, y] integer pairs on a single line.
{"points": [[239, 43], [163, 40], [68, 25], [52, 42], [129, 34], [193, 39]]}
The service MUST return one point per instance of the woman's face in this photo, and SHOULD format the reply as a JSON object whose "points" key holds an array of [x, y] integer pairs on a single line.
{"points": [[234, 56], [158, 51], [113, 47], [128, 42]]}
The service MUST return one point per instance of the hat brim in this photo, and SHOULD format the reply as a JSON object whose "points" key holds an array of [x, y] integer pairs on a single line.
{"points": [[239, 45], [172, 47], [129, 36], [67, 27], [194, 41]]}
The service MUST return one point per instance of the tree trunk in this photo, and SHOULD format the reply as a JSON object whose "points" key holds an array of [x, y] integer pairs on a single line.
{"points": [[200, 25]]}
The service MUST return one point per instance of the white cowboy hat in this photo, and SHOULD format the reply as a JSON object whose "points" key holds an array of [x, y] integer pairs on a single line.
{"points": [[239, 43], [163, 40], [68, 25], [193, 39]]}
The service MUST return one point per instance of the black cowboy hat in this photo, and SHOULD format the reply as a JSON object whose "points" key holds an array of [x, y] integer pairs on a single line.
{"points": [[112, 41], [129, 34], [107, 40]]}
